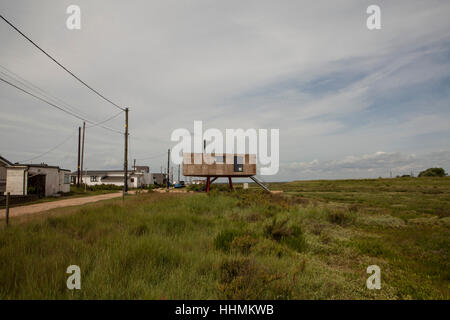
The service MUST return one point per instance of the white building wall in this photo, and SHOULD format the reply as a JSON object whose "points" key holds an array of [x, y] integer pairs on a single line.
{"points": [[64, 182], [136, 180], [51, 178]]}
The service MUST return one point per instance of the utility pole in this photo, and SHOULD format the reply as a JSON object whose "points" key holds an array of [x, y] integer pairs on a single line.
{"points": [[82, 152], [125, 161], [79, 158], [179, 172], [134, 165], [168, 167]]}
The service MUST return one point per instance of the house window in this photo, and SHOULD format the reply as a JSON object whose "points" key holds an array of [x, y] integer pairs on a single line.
{"points": [[238, 164], [93, 178], [66, 179], [220, 159], [132, 179]]}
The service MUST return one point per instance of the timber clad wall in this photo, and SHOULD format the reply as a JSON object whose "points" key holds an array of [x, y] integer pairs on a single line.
{"points": [[225, 165]]}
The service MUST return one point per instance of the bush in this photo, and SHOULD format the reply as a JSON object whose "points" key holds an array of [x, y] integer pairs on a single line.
{"points": [[243, 244], [195, 187], [277, 229], [245, 279], [296, 240], [97, 187], [292, 236], [223, 240], [433, 172], [340, 217]]}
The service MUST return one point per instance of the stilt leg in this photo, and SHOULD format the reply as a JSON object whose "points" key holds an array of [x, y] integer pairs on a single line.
{"points": [[230, 183], [207, 184]]}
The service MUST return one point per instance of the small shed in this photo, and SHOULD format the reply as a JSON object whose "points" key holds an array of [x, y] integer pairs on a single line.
{"points": [[3, 165], [39, 179]]}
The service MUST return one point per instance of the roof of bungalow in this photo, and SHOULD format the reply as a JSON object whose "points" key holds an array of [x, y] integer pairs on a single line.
{"points": [[100, 172], [5, 161], [37, 165]]}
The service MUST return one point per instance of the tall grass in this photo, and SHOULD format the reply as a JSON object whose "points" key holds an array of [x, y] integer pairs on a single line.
{"points": [[234, 245]]}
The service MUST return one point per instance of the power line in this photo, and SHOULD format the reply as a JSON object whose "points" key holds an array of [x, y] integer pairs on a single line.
{"points": [[48, 95], [42, 92], [48, 151], [59, 64], [151, 157], [57, 107], [106, 120]]}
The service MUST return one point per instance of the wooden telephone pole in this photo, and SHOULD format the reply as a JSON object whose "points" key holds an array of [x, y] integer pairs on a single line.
{"points": [[125, 162], [79, 158], [82, 151], [168, 167]]}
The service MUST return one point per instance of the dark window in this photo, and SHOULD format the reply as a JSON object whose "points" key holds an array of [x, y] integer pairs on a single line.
{"points": [[220, 159], [73, 179], [238, 164], [93, 178]]}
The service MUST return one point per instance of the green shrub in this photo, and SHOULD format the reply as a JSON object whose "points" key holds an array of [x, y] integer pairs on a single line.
{"points": [[292, 236], [340, 217], [296, 240], [243, 244], [196, 187], [277, 229], [223, 240], [141, 230], [433, 172], [372, 247], [244, 278]]}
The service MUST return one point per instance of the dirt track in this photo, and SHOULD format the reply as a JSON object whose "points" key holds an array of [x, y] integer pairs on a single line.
{"points": [[39, 207]]}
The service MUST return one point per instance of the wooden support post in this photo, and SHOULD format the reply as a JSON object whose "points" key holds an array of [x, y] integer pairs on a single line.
{"points": [[79, 157], [7, 209], [82, 153], [125, 162], [168, 168], [208, 182], [230, 183]]}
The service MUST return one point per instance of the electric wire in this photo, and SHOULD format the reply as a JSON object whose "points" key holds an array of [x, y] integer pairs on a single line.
{"points": [[56, 106], [42, 92], [59, 64], [49, 96], [50, 150]]}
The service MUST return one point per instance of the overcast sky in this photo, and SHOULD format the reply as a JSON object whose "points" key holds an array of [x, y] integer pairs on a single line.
{"points": [[349, 102]]}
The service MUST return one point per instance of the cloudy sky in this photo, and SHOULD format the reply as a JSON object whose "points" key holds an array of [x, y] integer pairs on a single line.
{"points": [[349, 102]]}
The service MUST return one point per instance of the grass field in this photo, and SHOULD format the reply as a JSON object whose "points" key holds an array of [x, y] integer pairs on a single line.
{"points": [[314, 241]]}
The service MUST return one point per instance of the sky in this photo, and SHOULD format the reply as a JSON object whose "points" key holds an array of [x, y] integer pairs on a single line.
{"points": [[349, 102]]}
